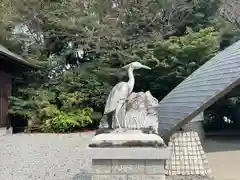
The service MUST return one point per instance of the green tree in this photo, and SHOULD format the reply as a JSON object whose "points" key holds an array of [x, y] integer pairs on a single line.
{"points": [[82, 44], [175, 59]]}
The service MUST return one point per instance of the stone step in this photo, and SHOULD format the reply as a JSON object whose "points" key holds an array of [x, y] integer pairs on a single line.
{"points": [[4, 131]]}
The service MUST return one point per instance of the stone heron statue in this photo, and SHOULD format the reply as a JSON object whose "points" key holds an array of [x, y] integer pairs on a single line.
{"points": [[121, 91]]}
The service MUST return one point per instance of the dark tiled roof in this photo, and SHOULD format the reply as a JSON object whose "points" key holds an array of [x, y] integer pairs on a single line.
{"points": [[14, 57], [200, 90]]}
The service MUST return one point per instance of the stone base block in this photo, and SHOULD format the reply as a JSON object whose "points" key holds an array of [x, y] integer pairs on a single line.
{"points": [[127, 166], [109, 177], [128, 177], [129, 163], [5, 131], [128, 155], [146, 177]]}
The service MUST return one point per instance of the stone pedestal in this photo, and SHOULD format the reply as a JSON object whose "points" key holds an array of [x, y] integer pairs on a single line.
{"points": [[5, 131], [131, 155]]}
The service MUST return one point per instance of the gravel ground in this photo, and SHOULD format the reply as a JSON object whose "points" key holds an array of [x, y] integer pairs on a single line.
{"points": [[49, 157], [45, 157]]}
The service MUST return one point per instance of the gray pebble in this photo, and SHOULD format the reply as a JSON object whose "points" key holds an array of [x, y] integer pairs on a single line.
{"points": [[45, 157], [50, 157]]}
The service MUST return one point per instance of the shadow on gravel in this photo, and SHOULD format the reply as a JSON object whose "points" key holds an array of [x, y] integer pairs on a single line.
{"points": [[221, 144], [82, 175]]}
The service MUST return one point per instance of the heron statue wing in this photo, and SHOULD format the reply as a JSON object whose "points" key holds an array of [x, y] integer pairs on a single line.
{"points": [[119, 92]]}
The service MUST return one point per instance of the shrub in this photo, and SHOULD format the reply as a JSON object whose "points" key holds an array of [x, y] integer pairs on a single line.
{"points": [[67, 122], [48, 111]]}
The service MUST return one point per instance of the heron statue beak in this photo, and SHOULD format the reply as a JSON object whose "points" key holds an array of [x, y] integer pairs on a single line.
{"points": [[126, 67], [145, 67], [135, 65]]}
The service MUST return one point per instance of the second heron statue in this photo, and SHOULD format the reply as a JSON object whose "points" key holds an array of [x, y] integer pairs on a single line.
{"points": [[121, 91]]}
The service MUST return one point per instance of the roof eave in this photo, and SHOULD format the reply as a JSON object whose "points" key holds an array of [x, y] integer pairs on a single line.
{"points": [[17, 60]]}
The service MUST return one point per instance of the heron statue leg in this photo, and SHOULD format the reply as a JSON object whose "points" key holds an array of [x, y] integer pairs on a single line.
{"points": [[119, 106]]}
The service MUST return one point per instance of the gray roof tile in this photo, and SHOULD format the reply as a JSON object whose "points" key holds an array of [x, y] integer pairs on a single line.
{"points": [[200, 90]]}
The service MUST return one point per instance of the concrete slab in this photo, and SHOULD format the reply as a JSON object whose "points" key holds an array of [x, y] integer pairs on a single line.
{"points": [[129, 153], [128, 138], [224, 157]]}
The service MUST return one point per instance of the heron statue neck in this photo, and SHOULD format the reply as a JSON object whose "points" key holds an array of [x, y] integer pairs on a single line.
{"points": [[131, 80]]}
